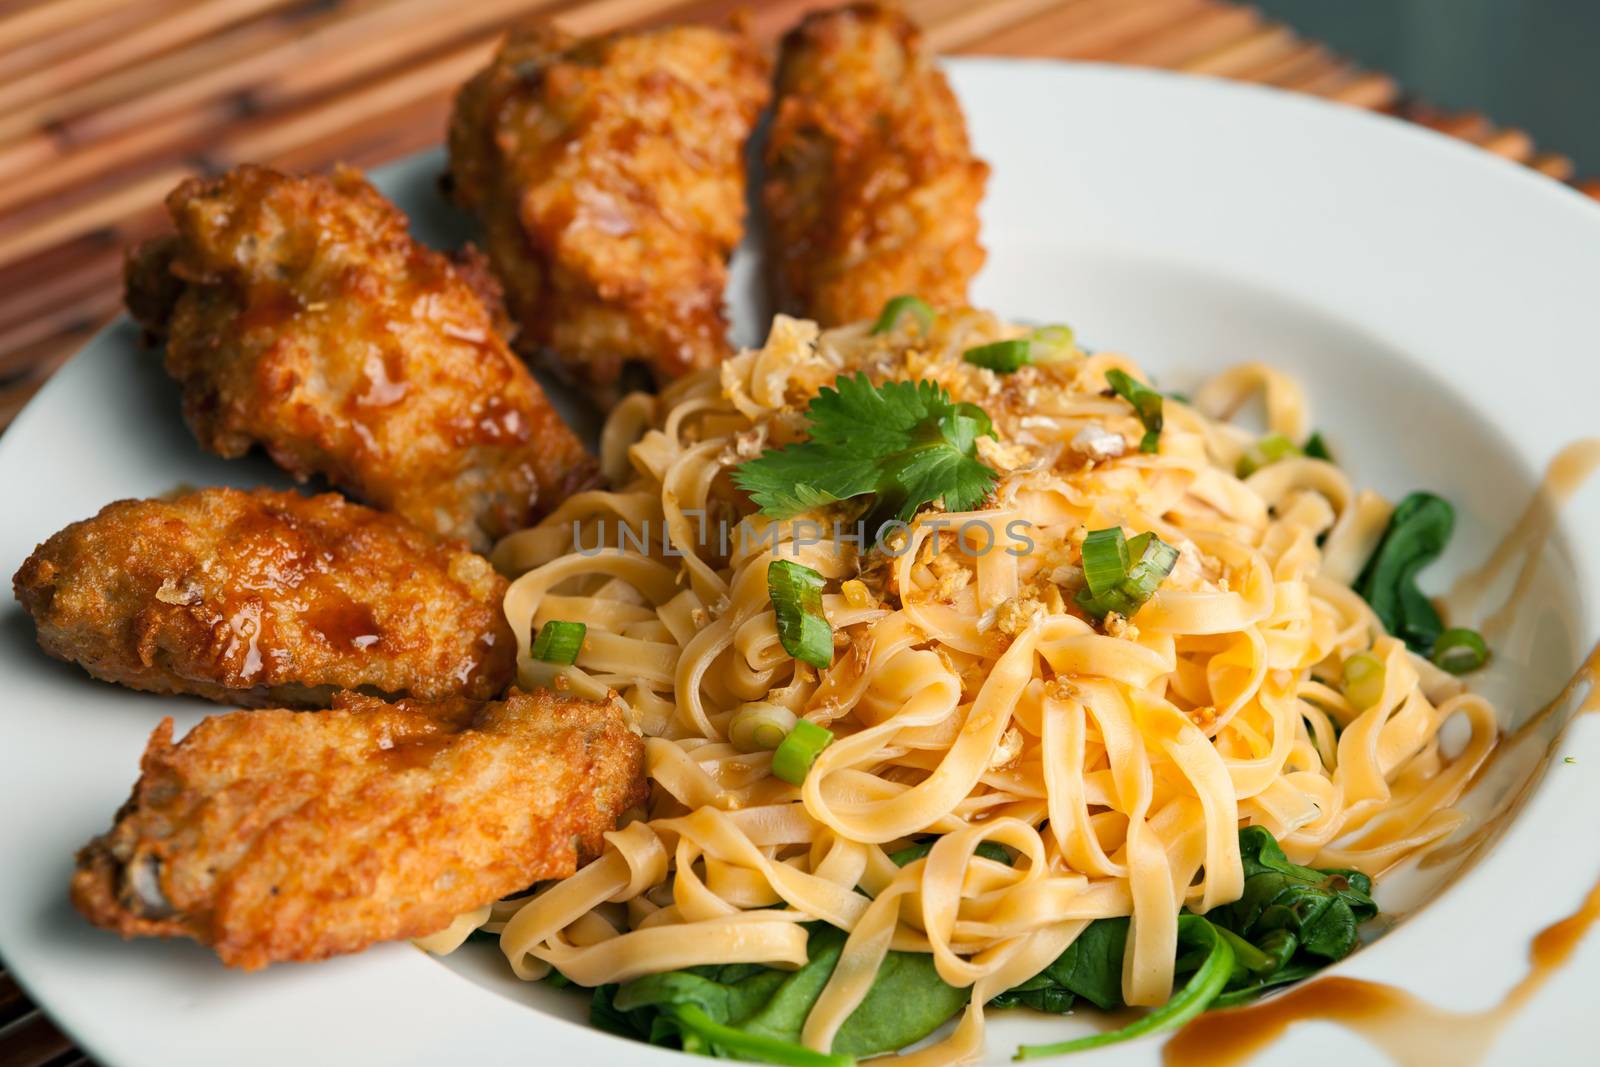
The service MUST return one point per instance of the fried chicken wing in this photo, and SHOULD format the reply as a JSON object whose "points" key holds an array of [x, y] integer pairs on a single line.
{"points": [[280, 835], [300, 315], [872, 189], [268, 598], [608, 175]]}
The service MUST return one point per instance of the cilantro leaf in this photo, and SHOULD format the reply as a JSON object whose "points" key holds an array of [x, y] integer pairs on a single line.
{"points": [[905, 443]]}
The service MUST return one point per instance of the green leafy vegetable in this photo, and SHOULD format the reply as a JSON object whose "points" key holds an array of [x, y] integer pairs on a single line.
{"points": [[1317, 448], [989, 850], [1153, 559], [1146, 403], [795, 755], [905, 443], [757, 1013], [1290, 922], [558, 641], [900, 306], [1459, 650], [796, 594], [1416, 535], [1197, 993], [1292, 911], [1091, 968]]}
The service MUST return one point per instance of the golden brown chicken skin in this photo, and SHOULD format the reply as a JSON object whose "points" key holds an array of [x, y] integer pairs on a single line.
{"points": [[608, 175], [300, 315], [268, 598], [872, 190], [280, 835]]}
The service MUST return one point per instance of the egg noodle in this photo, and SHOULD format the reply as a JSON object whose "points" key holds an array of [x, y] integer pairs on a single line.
{"points": [[969, 698]]}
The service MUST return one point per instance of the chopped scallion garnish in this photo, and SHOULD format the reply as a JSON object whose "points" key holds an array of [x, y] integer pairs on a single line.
{"points": [[1002, 357], [1047, 344], [803, 629], [1362, 679], [1152, 560], [1265, 452], [794, 757], [1146, 403], [1459, 650], [760, 726], [558, 641], [901, 306], [1051, 343], [1105, 559]]}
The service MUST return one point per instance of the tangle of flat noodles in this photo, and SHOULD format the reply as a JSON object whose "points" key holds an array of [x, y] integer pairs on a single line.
{"points": [[968, 697]]}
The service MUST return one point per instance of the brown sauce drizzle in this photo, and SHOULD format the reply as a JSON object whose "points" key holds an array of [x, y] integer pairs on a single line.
{"points": [[1567, 472], [1413, 1032], [1587, 678]]}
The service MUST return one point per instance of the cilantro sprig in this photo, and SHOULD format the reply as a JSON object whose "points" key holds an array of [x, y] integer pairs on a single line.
{"points": [[906, 444]]}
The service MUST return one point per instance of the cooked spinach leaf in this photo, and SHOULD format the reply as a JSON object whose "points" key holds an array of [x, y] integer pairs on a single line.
{"points": [[1213, 972], [1288, 910], [1290, 922], [1091, 968], [1416, 535], [757, 1013], [989, 850]]}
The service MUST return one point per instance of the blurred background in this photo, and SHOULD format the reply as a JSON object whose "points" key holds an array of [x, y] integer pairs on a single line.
{"points": [[1529, 63]]}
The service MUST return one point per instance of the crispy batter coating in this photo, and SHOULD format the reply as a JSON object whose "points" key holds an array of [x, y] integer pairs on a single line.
{"points": [[300, 315], [872, 189], [281, 835], [268, 598], [608, 174]]}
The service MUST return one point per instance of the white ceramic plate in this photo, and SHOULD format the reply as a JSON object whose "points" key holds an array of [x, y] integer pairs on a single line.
{"points": [[1437, 302]]}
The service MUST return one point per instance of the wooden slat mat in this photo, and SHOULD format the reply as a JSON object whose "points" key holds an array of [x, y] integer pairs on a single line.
{"points": [[106, 104]]}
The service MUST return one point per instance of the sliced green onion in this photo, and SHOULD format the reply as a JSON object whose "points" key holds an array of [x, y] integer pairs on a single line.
{"points": [[1265, 452], [1362, 680], [803, 630], [1047, 344], [558, 641], [1153, 559], [1146, 403], [1002, 357], [1460, 650], [795, 755], [760, 726], [901, 306], [1317, 448], [1051, 344], [1105, 559]]}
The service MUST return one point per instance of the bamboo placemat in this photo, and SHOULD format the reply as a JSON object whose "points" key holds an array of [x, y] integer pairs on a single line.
{"points": [[106, 104]]}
